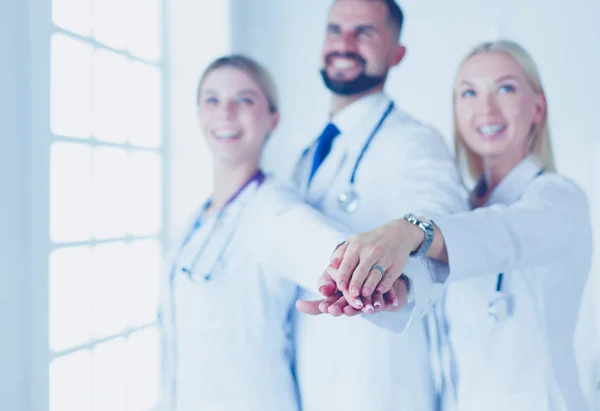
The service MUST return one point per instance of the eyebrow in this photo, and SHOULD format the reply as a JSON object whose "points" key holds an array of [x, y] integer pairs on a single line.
{"points": [[241, 92], [499, 80], [364, 27], [249, 91], [508, 77], [360, 27]]}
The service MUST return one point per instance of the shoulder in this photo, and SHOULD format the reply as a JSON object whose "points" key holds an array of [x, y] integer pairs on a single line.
{"points": [[563, 199], [406, 134], [556, 189], [278, 188], [273, 194]]}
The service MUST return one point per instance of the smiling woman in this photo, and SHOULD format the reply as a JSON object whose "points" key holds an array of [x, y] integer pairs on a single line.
{"points": [[237, 108], [501, 114]]}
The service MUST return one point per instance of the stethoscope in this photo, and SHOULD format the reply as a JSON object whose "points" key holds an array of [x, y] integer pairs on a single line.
{"points": [[259, 178], [190, 269], [349, 199], [502, 306]]}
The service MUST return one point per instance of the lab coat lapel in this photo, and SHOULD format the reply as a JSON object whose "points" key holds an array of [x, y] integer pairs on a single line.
{"points": [[512, 187], [302, 169], [328, 171], [355, 123]]}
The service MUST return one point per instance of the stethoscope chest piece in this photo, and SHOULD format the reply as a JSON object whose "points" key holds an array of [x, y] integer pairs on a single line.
{"points": [[195, 277], [349, 200], [500, 309]]}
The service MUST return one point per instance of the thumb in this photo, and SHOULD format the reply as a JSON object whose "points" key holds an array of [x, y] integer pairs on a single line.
{"points": [[308, 307], [326, 285], [338, 255]]}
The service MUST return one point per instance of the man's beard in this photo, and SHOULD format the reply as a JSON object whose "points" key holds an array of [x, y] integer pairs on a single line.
{"points": [[360, 84]]}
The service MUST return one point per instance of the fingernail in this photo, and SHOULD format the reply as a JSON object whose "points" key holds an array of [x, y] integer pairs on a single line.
{"points": [[380, 290], [366, 291], [370, 308], [322, 289], [343, 286], [354, 291], [377, 304], [395, 302], [358, 303]]}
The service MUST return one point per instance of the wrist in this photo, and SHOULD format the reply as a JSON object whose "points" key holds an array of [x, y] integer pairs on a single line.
{"points": [[411, 237], [420, 235], [414, 236]]}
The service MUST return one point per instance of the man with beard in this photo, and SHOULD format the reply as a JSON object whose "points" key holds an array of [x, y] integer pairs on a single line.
{"points": [[372, 163]]}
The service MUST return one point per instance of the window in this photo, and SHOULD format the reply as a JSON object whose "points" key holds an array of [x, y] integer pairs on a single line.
{"points": [[106, 204]]}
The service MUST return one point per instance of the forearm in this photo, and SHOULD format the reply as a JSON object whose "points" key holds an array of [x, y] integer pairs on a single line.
{"points": [[294, 240], [414, 237], [438, 250], [551, 217]]}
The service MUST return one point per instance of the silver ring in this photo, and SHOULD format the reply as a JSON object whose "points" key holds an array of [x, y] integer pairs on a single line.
{"points": [[378, 268]]}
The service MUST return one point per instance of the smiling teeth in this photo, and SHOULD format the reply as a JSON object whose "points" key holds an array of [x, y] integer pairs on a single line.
{"points": [[343, 63], [491, 129], [227, 134]]}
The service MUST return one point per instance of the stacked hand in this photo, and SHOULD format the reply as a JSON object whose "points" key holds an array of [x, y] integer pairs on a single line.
{"points": [[365, 273]]}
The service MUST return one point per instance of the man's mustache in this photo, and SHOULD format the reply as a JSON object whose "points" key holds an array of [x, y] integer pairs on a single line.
{"points": [[352, 56]]}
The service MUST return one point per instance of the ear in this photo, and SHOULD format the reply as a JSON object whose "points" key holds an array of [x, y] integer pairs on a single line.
{"points": [[274, 120], [398, 55], [540, 108]]}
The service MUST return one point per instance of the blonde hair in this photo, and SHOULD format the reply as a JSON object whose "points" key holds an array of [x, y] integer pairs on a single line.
{"points": [[252, 68], [470, 163]]}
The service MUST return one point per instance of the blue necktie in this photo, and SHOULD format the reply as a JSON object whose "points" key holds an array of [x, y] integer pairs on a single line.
{"points": [[323, 148]]}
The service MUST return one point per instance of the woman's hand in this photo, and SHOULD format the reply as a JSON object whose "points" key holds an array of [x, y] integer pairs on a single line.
{"points": [[386, 247]]}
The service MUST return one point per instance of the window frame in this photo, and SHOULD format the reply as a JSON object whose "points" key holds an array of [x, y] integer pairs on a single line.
{"points": [[40, 29]]}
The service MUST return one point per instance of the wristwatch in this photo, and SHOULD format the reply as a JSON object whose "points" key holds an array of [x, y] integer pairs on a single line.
{"points": [[427, 229]]}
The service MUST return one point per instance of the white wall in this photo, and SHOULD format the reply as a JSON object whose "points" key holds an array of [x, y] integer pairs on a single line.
{"points": [[198, 31], [286, 37], [13, 138], [562, 37]]}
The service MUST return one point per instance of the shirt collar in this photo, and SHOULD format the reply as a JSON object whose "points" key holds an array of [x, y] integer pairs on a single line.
{"points": [[361, 115], [516, 182]]}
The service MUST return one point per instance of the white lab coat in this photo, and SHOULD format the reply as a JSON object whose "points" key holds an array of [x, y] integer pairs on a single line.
{"points": [[350, 365], [535, 230], [227, 340]]}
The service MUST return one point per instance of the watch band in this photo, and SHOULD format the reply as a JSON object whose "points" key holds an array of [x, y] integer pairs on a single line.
{"points": [[427, 229]]}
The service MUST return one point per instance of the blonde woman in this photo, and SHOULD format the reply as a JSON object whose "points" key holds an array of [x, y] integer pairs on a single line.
{"points": [[232, 278], [517, 263]]}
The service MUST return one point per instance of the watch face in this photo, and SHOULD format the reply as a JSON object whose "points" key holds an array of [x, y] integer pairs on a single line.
{"points": [[424, 225]]}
